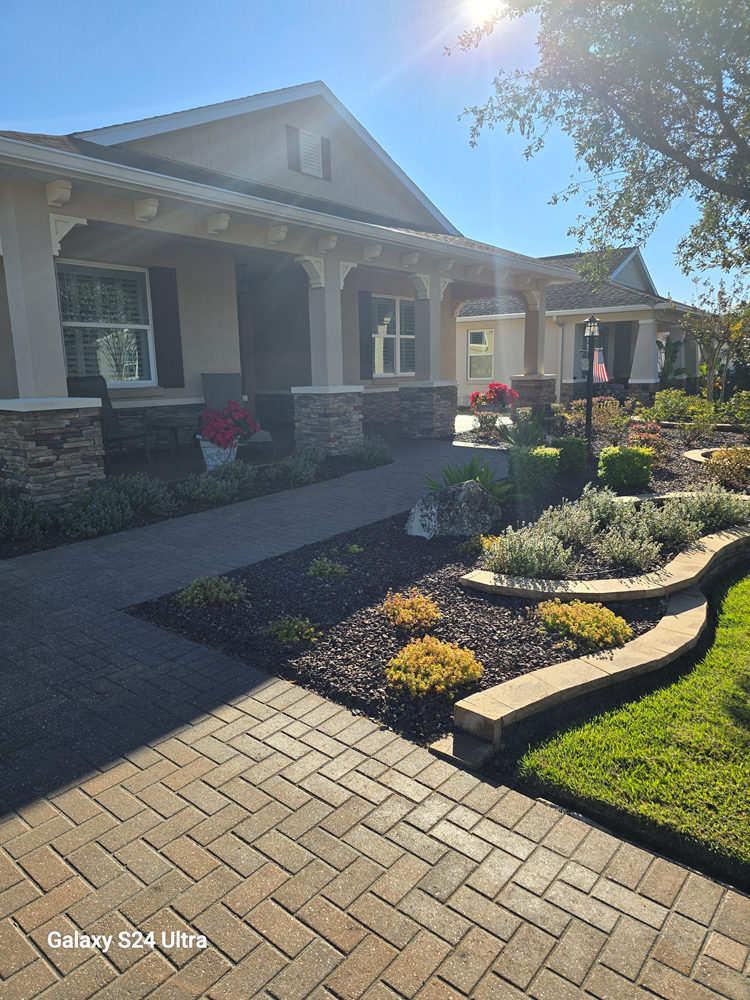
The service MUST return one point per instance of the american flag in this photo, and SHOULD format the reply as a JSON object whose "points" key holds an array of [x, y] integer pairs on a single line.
{"points": [[600, 369]]}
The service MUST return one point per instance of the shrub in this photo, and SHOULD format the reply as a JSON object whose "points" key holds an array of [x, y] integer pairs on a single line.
{"points": [[21, 520], [714, 508], [427, 666], [648, 435], [212, 592], [701, 425], [627, 543], [299, 467], [219, 484], [625, 467], [354, 550], [673, 404], [411, 611], [608, 419], [466, 471], [572, 454], [290, 630], [326, 568], [670, 524], [486, 423], [524, 432], [372, 452], [528, 552], [97, 511], [589, 625], [532, 469], [737, 409], [730, 467], [143, 493]]}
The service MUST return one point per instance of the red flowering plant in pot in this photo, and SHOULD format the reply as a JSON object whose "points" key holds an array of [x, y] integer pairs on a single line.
{"points": [[496, 395], [222, 430]]}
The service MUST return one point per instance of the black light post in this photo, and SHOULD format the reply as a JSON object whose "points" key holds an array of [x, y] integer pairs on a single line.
{"points": [[590, 333]]}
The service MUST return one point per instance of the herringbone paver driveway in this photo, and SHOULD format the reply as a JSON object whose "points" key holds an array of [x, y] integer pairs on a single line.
{"points": [[155, 786]]}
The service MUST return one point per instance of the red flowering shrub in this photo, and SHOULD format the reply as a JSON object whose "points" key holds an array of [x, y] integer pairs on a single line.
{"points": [[228, 426], [496, 395], [648, 435]]}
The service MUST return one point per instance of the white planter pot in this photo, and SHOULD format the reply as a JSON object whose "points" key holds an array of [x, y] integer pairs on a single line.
{"points": [[214, 455]]}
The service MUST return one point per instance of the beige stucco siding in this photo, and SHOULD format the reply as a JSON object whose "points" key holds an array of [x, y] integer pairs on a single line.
{"points": [[206, 292], [254, 146], [8, 380]]}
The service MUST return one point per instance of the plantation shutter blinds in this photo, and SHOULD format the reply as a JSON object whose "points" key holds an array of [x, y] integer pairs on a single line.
{"points": [[165, 317], [365, 335]]}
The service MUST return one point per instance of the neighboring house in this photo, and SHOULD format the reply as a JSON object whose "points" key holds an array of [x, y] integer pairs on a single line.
{"points": [[490, 331], [270, 236]]}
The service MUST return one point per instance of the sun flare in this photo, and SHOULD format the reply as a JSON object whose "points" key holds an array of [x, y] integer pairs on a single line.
{"points": [[481, 10]]}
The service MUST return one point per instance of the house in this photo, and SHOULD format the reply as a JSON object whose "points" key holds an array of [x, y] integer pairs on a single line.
{"points": [[270, 236], [633, 317]]}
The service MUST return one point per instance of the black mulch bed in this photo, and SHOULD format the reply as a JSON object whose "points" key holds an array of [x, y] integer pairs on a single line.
{"points": [[347, 664], [332, 467]]}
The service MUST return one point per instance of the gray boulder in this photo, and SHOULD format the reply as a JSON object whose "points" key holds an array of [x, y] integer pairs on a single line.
{"points": [[463, 509]]}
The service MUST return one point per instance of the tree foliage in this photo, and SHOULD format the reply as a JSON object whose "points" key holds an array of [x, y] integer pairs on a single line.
{"points": [[719, 323], [655, 97]]}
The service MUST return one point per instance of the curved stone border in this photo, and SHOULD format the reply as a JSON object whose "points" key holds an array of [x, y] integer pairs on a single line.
{"points": [[486, 713], [685, 570], [698, 455]]}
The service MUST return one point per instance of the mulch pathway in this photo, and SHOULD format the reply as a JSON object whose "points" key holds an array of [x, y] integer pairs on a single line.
{"points": [[348, 663]]}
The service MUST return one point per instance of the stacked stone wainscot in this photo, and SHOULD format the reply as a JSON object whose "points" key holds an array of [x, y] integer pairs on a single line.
{"points": [[428, 409], [50, 449], [328, 417]]}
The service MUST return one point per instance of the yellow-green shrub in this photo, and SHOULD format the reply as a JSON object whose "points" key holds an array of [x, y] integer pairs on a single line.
{"points": [[289, 630], [429, 666], [590, 625], [411, 611], [326, 568], [212, 592], [730, 467]]}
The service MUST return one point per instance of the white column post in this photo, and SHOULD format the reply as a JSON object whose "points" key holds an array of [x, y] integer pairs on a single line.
{"points": [[32, 289], [534, 332], [427, 310], [645, 366], [326, 347]]}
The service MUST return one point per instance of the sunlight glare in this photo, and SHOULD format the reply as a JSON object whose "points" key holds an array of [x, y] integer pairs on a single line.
{"points": [[481, 10]]}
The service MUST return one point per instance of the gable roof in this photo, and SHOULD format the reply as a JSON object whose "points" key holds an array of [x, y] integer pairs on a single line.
{"points": [[626, 262], [575, 296], [113, 135]]}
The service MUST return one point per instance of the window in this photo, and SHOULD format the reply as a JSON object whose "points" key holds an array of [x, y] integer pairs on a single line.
{"points": [[393, 331], [106, 323], [480, 354]]}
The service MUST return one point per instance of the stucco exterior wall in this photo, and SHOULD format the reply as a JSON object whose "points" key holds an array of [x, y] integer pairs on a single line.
{"points": [[206, 290], [8, 380], [254, 145]]}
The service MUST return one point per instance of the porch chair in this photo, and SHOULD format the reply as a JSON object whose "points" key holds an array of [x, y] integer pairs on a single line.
{"points": [[96, 385], [219, 388]]}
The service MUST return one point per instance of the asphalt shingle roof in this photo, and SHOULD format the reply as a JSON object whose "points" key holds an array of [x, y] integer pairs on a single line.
{"points": [[575, 295]]}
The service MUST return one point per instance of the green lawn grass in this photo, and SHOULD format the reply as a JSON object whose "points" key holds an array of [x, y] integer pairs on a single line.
{"points": [[673, 766]]}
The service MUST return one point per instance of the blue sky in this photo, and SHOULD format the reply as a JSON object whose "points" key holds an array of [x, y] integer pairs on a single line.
{"points": [[83, 64]]}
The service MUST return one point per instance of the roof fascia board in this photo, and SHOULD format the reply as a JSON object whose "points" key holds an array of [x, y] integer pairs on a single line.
{"points": [[115, 134], [574, 312], [74, 165]]}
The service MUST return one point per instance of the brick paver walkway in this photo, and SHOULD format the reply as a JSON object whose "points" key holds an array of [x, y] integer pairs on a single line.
{"points": [[154, 785]]}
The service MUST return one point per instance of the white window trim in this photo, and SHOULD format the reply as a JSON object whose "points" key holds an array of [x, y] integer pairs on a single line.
{"points": [[133, 384], [469, 377], [398, 299]]}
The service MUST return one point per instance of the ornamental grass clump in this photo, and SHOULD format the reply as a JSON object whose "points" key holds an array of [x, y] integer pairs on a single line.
{"points": [[464, 472], [528, 552], [326, 568], [730, 467], [590, 626], [21, 520], [212, 592], [289, 630], [429, 666], [411, 611]]}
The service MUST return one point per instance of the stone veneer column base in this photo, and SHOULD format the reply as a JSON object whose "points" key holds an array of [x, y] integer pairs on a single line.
{"points": [[536, 391], [644, 392], [328, 417], [428, 409], [50, 449]]}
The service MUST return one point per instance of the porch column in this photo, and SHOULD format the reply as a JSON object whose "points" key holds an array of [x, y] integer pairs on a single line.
{"points": [[32, 289], [534, 387], [644, 370], [428, 403], [675, 333], [327, 414]]}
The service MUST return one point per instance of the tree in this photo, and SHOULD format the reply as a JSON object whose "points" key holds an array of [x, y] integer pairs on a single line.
{"points": [[719, 323], [655, 98]]}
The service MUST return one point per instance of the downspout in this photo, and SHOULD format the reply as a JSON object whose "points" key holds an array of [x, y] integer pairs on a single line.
{"points": [[560, 339]]}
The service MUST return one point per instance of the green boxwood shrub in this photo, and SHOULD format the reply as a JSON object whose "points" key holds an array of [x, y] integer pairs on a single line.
{"points": [[97, 511], [532, 469], [625, 468], [572, 454], [21, 520]]}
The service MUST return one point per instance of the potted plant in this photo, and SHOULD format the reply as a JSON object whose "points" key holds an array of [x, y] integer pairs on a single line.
{"points": [[222, 430], [497, 399]]}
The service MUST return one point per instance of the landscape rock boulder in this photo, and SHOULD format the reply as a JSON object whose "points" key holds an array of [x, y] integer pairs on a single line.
{"points": [[463, 509]]}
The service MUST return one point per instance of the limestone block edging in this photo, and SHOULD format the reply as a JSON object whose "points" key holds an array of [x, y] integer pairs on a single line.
{"points": [[699, 455], [684, 571], [485, 714]]}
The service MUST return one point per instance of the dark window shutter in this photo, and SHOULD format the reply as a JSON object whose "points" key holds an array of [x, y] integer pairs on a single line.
{"points": [[325, 156], [365, 335], [292, 147], [165, 316]]}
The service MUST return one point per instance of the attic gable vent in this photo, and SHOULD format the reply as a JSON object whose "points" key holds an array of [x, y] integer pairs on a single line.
{"points": [[308, 153]]}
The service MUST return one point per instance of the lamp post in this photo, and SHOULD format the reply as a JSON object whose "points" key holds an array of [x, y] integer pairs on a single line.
{"points": [[590, 333]]}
